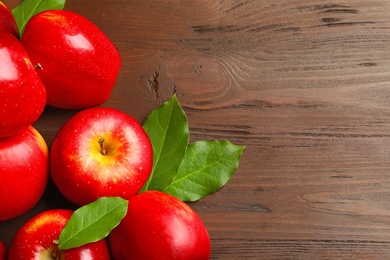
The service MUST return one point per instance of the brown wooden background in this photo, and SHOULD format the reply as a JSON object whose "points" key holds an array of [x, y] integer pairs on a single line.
{"points": [[304, 85]]}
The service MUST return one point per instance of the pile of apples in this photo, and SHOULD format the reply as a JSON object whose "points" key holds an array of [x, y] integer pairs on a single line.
{"points": [[99, 152]]}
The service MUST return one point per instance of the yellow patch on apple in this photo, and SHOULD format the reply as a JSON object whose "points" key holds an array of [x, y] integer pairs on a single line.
{"points": [[42, 221], [41, 142]]}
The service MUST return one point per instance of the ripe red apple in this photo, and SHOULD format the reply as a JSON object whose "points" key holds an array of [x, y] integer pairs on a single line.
{"points": [[78, 63], [3, 251], [100, 152], [22, 94], [36, 239], [24, 172], [7, 20], [159, 226]]}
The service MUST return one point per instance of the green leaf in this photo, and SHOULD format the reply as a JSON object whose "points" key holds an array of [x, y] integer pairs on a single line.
{"points": [[28, 8], [167, 128], [92, 222], [206, 167]]}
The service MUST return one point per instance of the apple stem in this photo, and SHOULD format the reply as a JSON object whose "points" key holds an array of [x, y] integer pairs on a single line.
{"points": [[38, 66], [56, 251], [103, 151]]}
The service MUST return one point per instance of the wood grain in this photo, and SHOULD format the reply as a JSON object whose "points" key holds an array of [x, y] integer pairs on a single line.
{"points": [[304, 86]]}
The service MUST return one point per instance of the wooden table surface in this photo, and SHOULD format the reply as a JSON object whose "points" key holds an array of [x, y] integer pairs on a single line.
{"points": [[304, 85]]}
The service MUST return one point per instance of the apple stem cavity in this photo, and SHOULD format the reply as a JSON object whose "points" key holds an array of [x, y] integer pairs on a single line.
{"points": [[103, 150]]}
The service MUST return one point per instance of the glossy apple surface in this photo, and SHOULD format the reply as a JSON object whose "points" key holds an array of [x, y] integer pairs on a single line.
{"points": [[3, 251], [79, 64], [7, 20], [85, 169], [36, 240], [22, 94], [159, 226], [24, 164]]}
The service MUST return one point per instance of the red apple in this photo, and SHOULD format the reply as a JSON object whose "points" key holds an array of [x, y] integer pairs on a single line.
{"points": [[3, 251], [159, 226], [24, 172], [79, 64], [36, 239], [100, 152], [7, 20], [22, 94]]}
